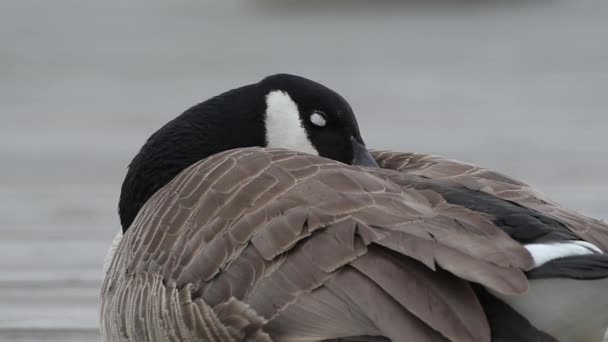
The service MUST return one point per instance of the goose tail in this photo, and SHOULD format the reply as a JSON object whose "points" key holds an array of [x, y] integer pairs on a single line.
{"points": [[567, 298]]}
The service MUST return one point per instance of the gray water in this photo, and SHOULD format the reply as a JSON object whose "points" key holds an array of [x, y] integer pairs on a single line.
{"points": [[517, 86]]}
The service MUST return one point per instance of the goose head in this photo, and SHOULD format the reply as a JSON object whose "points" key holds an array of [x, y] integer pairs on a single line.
{"points": [[280, 111]]}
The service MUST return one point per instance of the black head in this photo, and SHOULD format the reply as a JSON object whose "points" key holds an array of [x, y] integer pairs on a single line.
{"points": [[326, 120], [283, 111]]}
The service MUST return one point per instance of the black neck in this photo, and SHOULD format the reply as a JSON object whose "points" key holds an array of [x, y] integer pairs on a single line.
{"points": [[231, 120]]}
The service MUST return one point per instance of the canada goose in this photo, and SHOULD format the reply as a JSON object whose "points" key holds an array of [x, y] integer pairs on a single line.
{"points": [[243, 221]]}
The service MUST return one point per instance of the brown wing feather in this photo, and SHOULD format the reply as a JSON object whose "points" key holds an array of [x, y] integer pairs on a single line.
{"points": [[494, 183], [261, 240]]}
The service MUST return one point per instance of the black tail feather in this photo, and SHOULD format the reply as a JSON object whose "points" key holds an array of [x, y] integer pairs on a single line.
{"points": [[506, 324], [582, 267]]}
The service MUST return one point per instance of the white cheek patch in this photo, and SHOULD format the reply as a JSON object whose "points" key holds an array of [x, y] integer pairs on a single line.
{"points": [[545, 252], [284, 128]]}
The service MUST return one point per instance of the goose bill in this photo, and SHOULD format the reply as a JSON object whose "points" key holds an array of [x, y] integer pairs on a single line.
{"points": [[362, 157]]}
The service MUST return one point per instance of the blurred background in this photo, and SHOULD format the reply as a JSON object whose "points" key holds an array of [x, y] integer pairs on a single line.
{"points": [[517, 86]]}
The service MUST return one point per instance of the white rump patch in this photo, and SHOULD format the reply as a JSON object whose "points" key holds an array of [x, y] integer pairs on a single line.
{"points": [[570, 310], [545, 252], [111, 251], [284, 128]]}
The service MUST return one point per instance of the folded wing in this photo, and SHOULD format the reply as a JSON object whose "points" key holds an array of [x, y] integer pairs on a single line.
{"points": [[258, 244], [476, 178]]}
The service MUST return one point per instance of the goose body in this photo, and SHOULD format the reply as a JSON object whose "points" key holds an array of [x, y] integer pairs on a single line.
{"points": [[288, 242]]}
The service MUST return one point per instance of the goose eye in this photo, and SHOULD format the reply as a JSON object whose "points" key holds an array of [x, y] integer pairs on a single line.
{"points": [[318, 119]]}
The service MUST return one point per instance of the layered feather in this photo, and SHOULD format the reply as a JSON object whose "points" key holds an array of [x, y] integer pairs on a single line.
{"points": [[257, 244]]}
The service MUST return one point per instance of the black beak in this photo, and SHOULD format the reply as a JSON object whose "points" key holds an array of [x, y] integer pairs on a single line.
{"points": [[361, 155]]}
